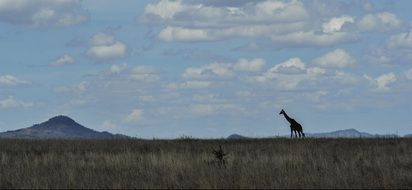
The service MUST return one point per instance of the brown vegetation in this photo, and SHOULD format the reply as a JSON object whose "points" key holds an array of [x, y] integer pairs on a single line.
{"points": [[251, 163]]}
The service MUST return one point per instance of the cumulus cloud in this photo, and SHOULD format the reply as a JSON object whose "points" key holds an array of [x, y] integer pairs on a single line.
{"points": [[65, 59], [12, 81], [337, 58], [43, 12], [108, 125], [396, 50], [11, 102], [104, 47], [253, 65], [224, 70], [286, 23], [184, 34], [144, 73], [408, 74], [217, 22], [178, 12], [336, 24], [217, 108], [192, 84], [134, 116], [288, 74], [75, 89], [292, 66], [382, 82], [117, 69], [345, 78], [220, 70], [312, 38], [400, 40], [380, 22]]}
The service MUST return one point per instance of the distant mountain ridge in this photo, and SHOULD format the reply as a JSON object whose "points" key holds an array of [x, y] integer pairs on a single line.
{"points": [[236, 136], [346, 133], [59, 127]]}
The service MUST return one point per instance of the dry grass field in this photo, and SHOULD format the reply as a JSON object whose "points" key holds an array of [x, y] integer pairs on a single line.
{"points": [[189, 163]]}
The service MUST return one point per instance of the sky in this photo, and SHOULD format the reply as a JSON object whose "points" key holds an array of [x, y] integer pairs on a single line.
{"points": [[207, 69]]}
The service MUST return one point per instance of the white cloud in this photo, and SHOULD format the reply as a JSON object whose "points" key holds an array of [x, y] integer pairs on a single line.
{"points": [[134, 116], [253, 65], [380, 22], [288, 74], [337, 58], [43, 12], [165, 9], [408, 74], [117, 69], [65, 59], [286, 23], [77, 89], [184, 34], [108, 125], [401, 40], [292, 65], [316, 96], [218, 108], [11, 102], [103, 47], [179, 13], [336, 24], [345, 78], [199, 22], [11, 81], [220, 70], [193, 84], [382, 82], [101, 39], [144, 73], [311, 38], [224, 70]]}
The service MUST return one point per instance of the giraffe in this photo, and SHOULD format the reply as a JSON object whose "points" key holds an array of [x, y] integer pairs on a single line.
{"points": [[294, 126]]}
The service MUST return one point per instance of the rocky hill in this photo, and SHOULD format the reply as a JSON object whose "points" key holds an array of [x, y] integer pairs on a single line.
{"points": [[59, 127]]}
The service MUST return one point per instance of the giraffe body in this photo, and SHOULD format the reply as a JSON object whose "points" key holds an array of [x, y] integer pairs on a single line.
{"points": [[295, 127]]}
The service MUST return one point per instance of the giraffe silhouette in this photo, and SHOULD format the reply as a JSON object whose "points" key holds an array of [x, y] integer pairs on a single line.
{"points": [[294, 126]]}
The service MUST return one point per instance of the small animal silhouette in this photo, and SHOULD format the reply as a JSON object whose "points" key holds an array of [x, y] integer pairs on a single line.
{"points": [[294, 126], [220, 156]]}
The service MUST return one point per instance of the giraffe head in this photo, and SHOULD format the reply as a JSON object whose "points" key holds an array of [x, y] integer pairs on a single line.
{"points": [[282, 112]]}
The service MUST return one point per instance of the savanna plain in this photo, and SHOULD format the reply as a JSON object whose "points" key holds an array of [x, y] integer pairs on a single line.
{"points": [[194, 163]]}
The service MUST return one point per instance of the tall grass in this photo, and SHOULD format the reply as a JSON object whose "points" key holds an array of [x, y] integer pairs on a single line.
{"points": [[253, 163]]}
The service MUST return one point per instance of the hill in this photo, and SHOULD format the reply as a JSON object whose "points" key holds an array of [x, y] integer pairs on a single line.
{"points": [[346, 133], [236, 137], [59, 127]]}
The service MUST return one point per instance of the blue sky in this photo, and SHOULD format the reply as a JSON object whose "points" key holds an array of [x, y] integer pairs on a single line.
{"points": [[207, 68]]}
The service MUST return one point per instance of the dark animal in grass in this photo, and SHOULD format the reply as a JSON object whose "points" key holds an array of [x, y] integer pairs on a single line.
{"points": [[294, 125], [220, 157]]}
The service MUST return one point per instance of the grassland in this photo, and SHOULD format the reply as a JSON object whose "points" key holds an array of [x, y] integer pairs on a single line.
{"points": [[188, 163]]}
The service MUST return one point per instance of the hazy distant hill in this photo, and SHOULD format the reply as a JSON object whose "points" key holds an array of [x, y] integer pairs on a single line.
{"points": [[236, 136], [59, 127], [346, 133]]}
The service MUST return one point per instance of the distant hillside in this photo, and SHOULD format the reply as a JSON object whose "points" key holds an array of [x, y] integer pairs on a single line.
{"points": [[59, 127], [346, 133], [236, 136]]}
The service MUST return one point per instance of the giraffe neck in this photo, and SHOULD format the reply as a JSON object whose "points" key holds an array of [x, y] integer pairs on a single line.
{"points": [[287, 117]]}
